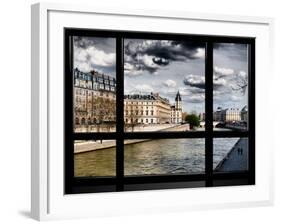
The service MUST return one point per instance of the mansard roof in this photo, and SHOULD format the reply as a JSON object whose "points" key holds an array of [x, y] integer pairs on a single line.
{"points": [[151, 96], [93, 75]]}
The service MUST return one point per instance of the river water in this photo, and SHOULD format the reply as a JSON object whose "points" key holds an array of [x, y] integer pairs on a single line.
{"points": [[163, 156]]}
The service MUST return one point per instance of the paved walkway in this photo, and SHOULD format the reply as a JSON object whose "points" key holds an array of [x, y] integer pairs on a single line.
{"points": [[235, 161]]}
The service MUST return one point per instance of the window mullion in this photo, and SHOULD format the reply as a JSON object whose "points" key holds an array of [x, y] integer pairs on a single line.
{"points": [[120, 114], [209, 113], [251, 110]]}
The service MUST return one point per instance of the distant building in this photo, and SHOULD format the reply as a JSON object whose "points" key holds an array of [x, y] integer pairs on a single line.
{"points": [[218, 115], [176, 110], [202, 116], [94, 98], [227, 115], [244, 114], [232, 114], [146, 109], [151, 109]]}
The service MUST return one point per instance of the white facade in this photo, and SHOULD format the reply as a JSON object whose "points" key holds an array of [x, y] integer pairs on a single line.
{"points": [[176, 110], [146, 109]]}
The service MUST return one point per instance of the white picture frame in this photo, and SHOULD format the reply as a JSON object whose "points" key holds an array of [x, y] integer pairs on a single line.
{"points": [[48, 200]]}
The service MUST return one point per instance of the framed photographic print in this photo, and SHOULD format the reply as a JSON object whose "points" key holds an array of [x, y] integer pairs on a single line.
{"points": [[123, 111], [157, 110]]}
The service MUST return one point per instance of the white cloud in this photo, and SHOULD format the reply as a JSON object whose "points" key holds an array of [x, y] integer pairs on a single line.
{"points": [[195, 81], [242, 74], [196, 98], [223, 71], [170, 83], [143, 88], [83, 66], [130, 71], [235, 98], [147, 60], [128, 66], [191, 96], [133, 72], [200, 53], [220, 82], [87, 59]]}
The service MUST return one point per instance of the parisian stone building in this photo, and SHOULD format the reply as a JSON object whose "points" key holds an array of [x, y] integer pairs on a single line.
{"points": [[152, 109], [94, 98], [146, 109], [176, 110], [244, 114], [95, 104], [227, 115]]}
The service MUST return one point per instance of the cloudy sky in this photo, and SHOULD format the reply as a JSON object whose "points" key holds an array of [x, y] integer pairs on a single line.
{"points": [[230, 75], [169, 66], [166, 67], [95, 53]]}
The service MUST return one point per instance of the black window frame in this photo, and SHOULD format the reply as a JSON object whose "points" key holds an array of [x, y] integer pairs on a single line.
{"points": [[120, 182]]}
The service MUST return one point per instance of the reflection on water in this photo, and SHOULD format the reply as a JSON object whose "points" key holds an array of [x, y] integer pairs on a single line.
{"points": [[95, 163], [164, 156]]}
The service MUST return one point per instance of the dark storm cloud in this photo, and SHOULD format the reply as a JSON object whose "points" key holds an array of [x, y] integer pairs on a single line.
{"points": [[230, 46], [171, 50], [233, 51], [199, 85], [223, 78], [83, 42], [160, 61], [151, 55], [106, 44]]}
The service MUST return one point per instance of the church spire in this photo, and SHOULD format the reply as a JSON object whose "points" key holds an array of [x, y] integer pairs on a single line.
{"points": [[178, 96]]}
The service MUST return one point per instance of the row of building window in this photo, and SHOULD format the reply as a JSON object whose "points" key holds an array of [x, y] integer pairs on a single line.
{"points": [[138, 103], [140, 121], [89, 121], [137, 112], [82, 92]]}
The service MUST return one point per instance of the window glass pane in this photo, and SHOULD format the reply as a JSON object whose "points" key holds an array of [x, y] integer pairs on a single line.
{"points": [[164, 156], [230, 82], [164, 85], [230, 154], [95, 158], [94, 90]]}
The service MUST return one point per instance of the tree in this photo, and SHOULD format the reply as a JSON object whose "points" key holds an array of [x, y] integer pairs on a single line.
{"points": [[193, 120], [241, 82], [132, 118], [100, 112]]}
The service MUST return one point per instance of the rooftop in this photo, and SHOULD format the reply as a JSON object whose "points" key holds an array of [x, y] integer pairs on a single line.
{"points": [[151, 96], [93, 75]]}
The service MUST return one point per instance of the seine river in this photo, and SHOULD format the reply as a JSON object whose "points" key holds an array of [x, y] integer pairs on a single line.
{"points": [[164, 156]]}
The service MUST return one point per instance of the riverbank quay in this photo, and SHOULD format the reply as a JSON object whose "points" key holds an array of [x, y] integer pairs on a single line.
{"points": [[87, 146], [158, 127], [236, 159]]}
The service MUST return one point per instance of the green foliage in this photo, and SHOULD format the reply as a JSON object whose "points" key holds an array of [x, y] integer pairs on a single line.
{"points": [[193, 120]]}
